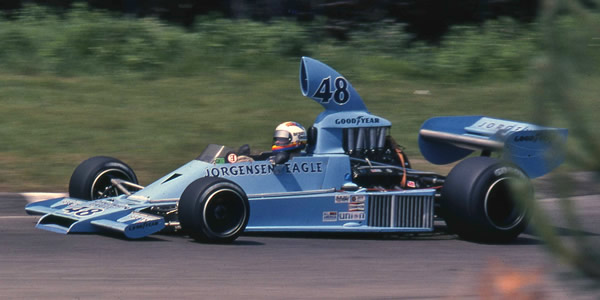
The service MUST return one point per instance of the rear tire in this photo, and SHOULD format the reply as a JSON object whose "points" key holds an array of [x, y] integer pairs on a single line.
{"points": [[92, 178], [483, 200], [213, 210]]}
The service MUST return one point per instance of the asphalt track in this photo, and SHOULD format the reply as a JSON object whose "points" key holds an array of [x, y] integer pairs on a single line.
{"points": [[36, 264]]}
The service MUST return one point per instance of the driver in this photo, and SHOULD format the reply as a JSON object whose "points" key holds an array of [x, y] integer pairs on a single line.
{"points": [[289, 137], [288, 141]]}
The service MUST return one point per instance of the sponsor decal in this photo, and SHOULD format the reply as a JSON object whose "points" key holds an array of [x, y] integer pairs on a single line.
{"points": [[79, 209], [338, 93], [67, 202], [492, 126], [106, 204], [351, 216], [356, 207], [358, 199], [545, 137], [342, 198], [138, 218], [264, 169], [330, 216], [116, 165], [357, 203], [232, 158], [138, 226], [358, 120], [510, 171], [82, 211]]}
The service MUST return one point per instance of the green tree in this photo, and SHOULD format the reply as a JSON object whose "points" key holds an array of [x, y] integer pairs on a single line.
{"points": [[570, 43]]}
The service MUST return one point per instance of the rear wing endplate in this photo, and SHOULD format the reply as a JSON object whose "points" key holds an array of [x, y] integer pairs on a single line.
{"points": [[536, 149]]}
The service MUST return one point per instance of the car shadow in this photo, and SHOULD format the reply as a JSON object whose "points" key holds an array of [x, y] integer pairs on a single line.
{"points": [[433, 236], [440, 233], [235, 243], [564, 231], [120, 236], [165, 237]]}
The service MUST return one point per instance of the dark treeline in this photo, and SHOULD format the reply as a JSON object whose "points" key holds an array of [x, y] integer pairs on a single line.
{"points": [[426, 19]]}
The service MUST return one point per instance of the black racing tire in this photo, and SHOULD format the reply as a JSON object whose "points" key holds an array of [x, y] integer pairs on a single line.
{"points": [[92, 178], [484, 199], [214, 210]]}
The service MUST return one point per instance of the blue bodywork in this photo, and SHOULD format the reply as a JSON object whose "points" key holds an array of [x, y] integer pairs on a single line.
{"points": [[316, 191], [535, 149]]}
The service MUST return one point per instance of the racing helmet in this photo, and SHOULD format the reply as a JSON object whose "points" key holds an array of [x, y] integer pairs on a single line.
{"points": [[289, 136]]}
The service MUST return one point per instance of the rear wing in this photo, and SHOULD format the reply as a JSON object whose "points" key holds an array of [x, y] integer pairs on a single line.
{"points": [[535, 149]]}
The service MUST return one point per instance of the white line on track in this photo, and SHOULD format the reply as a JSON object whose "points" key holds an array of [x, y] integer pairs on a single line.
{"points": [[572, 198], [34, 197]]}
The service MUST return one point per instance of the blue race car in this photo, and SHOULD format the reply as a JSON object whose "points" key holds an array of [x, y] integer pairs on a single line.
{"points": [[351, 177]]}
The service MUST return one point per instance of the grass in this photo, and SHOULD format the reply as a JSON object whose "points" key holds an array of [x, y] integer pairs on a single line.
{"points": [[87, 83], [52, 123]]}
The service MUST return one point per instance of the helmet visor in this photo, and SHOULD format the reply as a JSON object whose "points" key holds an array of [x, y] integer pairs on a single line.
{"points": [[282, 138]]}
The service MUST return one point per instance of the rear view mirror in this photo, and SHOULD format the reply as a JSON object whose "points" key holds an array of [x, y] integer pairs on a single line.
{"points": [[281, 158]]}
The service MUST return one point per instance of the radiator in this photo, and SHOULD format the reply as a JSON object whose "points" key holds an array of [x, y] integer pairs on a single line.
{"points": [[402, 211]]}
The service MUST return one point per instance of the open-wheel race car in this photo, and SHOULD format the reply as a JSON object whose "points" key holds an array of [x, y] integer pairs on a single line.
{"points": [[351, 177]]}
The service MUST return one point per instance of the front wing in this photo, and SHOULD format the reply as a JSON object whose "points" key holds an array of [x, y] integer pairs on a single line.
{"points": [[68, 215]]}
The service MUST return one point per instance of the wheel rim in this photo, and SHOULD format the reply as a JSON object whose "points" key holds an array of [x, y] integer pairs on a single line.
{"points": [[103, 187], [501, 205], [224, 213]]}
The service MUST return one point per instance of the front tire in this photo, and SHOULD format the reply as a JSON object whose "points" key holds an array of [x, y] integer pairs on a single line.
{"points": [[214, 210], [483, 200], [92, 178]]}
